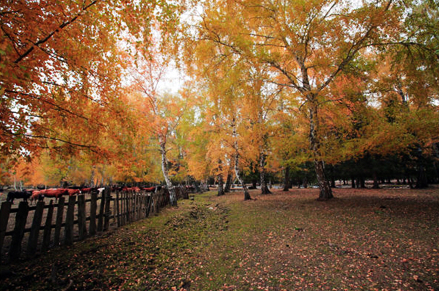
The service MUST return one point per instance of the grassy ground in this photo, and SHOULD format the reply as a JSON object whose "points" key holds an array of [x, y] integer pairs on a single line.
{"points": [[362, 239]]}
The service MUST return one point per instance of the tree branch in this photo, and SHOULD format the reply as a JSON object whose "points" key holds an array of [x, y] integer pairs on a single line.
{"points": [[351, 53], [49, 36]]}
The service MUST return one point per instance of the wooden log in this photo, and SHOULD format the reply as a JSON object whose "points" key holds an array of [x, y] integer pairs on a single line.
{"points": [[4, 218], [59, 220], [70, 220], [35, 229], [93, 208], [47, 228], [20, 225], [107, 208], [101, 212], [82, 218], [117, 209]]}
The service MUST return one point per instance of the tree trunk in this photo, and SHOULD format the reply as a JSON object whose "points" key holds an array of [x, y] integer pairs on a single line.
{"points": [[331, 169], [264, 187], [244, 187], [92, 177], [220, 185], [172, 195], [228, 183], [240, 181], [220, 179], [421, 181], [197, 188], [286, 179], [375, 181], [235, 144], [325, 189]]}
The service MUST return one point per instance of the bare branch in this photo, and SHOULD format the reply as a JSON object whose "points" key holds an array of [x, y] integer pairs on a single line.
{"points": [[50, 35]]}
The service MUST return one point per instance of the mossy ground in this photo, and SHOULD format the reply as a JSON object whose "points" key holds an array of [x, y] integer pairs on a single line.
{"points": [[362, 239]]}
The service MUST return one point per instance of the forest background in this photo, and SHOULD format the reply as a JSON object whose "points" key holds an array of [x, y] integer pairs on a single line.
{"points": [[282, 91]]}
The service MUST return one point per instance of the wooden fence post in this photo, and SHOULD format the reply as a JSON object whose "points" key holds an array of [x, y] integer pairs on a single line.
{"points": [[47, 228], [127, 208], [35, 229], [142, 208], [4, 217], [101, 212], [117, 209], [70, 218], [59, 219], [136, 204], [93, 208], [20, 225], [107, 208], [114, 210], [148, 205], [121, 209], [82, 217]]}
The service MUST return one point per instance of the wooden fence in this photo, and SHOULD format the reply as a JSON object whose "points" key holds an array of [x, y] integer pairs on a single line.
{"points": [[28, 230]]}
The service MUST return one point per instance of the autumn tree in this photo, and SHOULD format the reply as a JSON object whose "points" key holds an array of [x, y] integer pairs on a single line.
{"points": [[62, 65], [225, 83], [162, 112], [307, 45]]}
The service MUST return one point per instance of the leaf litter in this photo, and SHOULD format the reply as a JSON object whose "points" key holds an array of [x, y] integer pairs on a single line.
{"points": [[361, 240]]}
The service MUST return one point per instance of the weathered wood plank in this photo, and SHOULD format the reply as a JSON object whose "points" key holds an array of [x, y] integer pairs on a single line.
{"points": [[70, 219], [20, 225], [35, 229], [134, 206], [4, 218], [107, 192], [127, 208], [93, 209], [118, 209], [59, 220], [114, 216], [47, 228], [82, 218], [101, 212]]}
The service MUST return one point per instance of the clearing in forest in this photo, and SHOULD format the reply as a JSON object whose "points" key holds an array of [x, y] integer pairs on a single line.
{"points": [[362, 239]]}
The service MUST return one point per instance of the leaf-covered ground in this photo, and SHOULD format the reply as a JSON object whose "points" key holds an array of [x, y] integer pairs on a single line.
{"points": [[362, 239]]}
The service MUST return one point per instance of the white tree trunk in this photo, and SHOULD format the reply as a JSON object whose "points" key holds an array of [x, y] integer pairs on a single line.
{"points": [[238, 176], [172, 196]]}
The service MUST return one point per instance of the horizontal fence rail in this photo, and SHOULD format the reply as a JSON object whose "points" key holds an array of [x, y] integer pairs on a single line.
{"points": [[28, 230]]}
